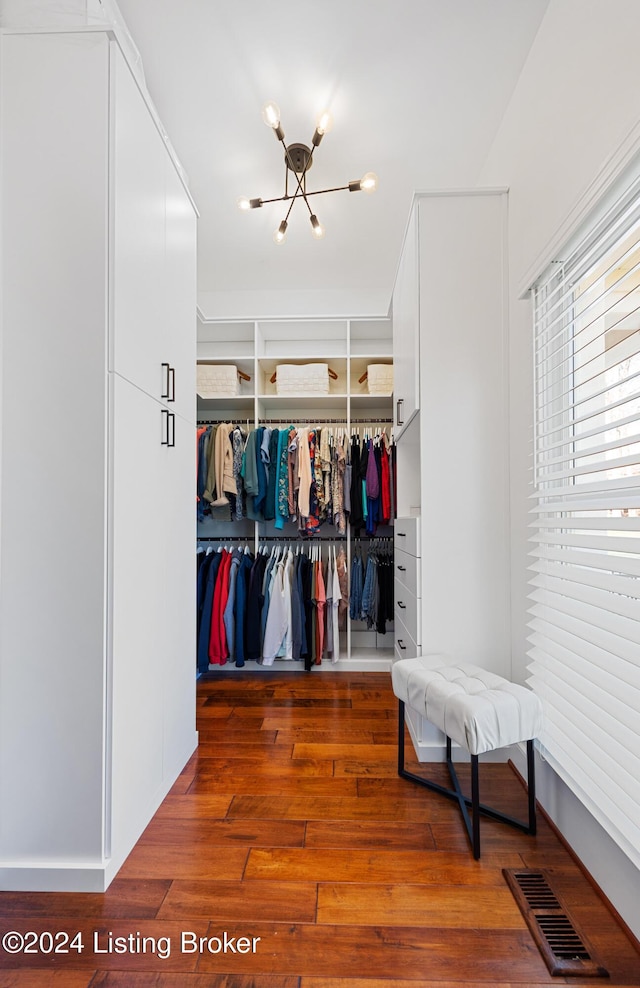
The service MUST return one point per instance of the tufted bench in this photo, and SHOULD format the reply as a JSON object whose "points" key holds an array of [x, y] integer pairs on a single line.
{"points": [[478, 710]]}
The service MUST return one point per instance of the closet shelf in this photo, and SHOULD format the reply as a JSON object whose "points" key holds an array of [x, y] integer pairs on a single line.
{"points": [[375, 403], [316, 404], [239, 403]]}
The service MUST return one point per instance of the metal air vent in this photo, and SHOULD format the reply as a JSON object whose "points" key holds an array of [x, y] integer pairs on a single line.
{"points": [[566, 951]]}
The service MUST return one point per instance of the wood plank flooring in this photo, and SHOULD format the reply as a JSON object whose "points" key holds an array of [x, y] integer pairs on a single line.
{"points": [[290, 832]]}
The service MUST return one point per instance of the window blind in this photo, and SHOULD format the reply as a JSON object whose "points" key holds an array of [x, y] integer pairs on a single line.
{"points": [[585, 520]]}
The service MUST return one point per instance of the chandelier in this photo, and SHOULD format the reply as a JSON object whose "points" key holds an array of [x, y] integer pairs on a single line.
{"points": [[298, 159]]}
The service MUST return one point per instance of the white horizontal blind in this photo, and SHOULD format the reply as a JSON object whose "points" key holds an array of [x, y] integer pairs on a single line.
{"points": [[585, 574]]}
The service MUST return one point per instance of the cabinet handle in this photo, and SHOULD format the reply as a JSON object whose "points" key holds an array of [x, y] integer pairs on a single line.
{"points": [[165, 426], [403, 569], [403, 606], [401, 644], [399, 421], [171, 379], [173, 430], [401, 535], [165, 392]]}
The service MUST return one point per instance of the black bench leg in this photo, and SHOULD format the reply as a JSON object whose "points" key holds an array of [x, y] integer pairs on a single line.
{"points": [[475, 806], [531, 786], [400, 737]]}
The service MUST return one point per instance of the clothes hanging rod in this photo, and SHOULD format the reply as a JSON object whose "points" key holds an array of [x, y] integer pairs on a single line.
{"points": [[372, 538], [295, 539], [223, 538], [226, 421], [319, 423], [307, 423]]}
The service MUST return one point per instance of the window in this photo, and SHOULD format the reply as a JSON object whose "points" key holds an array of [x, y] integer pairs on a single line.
{"points": [[585, 576]]}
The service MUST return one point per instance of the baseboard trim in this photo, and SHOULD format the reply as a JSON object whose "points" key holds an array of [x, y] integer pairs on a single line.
{"points": [[88, 876]]}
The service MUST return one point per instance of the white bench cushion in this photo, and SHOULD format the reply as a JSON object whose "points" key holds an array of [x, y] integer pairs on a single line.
{"points": [[475, 708]]}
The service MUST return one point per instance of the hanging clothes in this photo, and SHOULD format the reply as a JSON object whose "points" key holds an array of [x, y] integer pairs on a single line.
{"points": [[337, 482], [272, 456], [282, 480], [343, 581], [321, 603], [357, 583], [336, 601], [255, 601], [237, 443], [259, 498], [304, 473], [242, 593], [357, 516], [207, 610], [228, 613]]}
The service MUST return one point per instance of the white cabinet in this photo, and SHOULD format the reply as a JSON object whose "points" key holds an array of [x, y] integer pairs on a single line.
{"points": [[452, 457], [153, 632], [139, 621], [153, 276], [179, 293], [138, 342], [407, 588], [97, 470], [406, 331]]}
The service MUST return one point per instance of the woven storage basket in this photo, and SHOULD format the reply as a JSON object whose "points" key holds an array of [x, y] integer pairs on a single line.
{"points": [[217, 380], [380, 379], [302, 379]]}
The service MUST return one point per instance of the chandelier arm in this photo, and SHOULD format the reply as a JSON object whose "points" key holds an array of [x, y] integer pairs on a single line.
{"points": [[318, 192], [300, 193], [299, 179], [293, 199], [337, 188]]}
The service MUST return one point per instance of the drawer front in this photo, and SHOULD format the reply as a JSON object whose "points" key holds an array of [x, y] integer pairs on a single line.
{"points": [[406, 570], [406, 535], [404, 645], [407, 610]]}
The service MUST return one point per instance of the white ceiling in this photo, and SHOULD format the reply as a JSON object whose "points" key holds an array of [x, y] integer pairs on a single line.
{"points": [[417, 89]]}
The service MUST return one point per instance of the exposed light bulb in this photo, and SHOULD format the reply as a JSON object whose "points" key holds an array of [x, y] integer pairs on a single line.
{"points": [[243, 203], [271, 114], [281, 232], [324, 123], [369, 182], [316, 226]]}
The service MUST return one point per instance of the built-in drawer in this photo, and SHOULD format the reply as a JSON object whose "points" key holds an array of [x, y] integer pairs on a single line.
{"points": [[404, 645], [407, 610], [406, 535], [406, 570]]}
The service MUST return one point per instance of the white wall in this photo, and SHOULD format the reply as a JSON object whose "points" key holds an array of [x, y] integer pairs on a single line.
{"points": [[571, 125], [572, 112], [463, 447], [52, 589], [303, 304]]}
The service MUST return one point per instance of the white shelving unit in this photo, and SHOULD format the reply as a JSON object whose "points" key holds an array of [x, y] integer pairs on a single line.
{"points": [[348, 346]]}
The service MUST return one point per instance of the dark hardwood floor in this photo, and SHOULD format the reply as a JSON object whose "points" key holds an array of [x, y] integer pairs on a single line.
{"points": [[291, 825]]}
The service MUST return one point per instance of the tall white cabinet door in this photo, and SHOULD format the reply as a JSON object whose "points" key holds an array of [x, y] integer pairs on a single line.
{"points": [[406, 332], [179, 309], [137, 192], [138, 569], [178, 536]]}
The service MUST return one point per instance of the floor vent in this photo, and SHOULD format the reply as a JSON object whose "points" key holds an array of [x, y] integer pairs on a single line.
{"points": [[566, 951]]}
